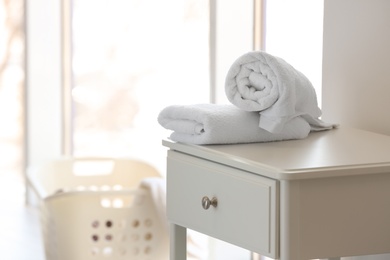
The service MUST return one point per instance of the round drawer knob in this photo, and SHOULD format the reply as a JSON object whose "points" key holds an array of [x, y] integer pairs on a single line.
{"points": [[206, 202]]}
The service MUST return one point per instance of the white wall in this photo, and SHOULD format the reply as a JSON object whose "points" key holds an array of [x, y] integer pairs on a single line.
{"points": [[44, 132], [356, 64], [356, 67]]}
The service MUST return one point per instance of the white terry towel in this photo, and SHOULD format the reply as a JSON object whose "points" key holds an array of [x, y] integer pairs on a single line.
{"points": [[197, 245], [223, 124], [258, 81]]}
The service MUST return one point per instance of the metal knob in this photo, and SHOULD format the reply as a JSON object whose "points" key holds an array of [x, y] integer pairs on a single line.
{"points": [[206, 202]]}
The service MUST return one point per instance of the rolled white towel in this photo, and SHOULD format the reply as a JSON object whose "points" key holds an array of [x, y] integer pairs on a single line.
{"points": [[223, 124], [258, 81]]}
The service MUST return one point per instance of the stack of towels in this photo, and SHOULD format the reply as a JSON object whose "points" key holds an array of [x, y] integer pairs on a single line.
{"points": [[270, 101]]}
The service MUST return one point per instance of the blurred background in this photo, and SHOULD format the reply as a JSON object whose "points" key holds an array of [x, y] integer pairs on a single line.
{"points": [[89, 77]]}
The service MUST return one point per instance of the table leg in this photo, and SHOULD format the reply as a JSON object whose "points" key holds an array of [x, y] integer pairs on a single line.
{"points": [[178, 242], [289, 221]]}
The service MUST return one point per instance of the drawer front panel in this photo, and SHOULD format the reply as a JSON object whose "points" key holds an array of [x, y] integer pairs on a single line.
{"points": [[246, 211]]}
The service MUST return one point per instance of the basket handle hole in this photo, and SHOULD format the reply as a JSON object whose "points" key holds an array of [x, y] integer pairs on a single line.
{"points": [[136, 223], [118, 203], [95, 238], [95, 224], [95, 251], [107, 251], [148, 236], [105, 203], [109, 223], [147, 250]]}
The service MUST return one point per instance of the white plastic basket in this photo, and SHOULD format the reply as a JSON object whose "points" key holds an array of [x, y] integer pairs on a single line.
{"points": [[98, 216]]}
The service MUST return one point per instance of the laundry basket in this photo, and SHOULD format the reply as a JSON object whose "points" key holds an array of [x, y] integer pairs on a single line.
{"points": [[89, 215]]}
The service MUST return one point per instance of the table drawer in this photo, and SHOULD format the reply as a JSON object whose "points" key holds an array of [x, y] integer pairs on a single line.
{"points": [[247, 204]]}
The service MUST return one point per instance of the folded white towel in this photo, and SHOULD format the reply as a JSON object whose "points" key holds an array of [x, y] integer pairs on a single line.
{"points": [[223, 124], [258, 81], [197, 246]]}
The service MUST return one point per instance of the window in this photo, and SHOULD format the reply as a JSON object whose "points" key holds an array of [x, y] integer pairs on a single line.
{"points": [[143, 56], [131, 59], [11, 88]]}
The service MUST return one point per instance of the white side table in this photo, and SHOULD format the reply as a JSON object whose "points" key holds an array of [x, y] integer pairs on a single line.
{"points": [[326, 196]]}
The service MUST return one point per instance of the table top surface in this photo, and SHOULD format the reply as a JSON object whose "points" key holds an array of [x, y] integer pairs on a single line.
{"points": [[339, 152]]}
